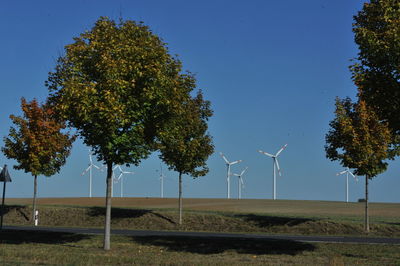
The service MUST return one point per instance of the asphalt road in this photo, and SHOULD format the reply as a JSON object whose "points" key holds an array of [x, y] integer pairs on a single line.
{"points": [[310, 239]]}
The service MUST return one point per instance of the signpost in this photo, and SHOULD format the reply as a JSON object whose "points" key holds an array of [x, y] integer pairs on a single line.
{"points": [[4, 177]]}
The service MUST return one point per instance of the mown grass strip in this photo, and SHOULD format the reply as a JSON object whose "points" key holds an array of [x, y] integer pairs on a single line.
{"points": [[50, 248]]}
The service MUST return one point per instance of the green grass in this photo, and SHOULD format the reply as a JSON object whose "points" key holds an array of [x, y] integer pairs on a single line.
{"points": [[211, 221], [49, 248]]}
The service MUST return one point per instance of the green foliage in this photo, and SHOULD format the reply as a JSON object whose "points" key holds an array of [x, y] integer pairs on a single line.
{"points": [[116, 85], [376, 71], [37, 142], [185, 145], [358, 139]]}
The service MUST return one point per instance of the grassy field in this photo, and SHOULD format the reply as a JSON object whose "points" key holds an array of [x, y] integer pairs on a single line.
{"points": [[291, 207], [46, 248], [217, 215]]}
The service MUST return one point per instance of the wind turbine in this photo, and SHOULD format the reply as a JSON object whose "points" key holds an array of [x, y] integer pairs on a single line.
{"points": [[120, 177], [90, 167], [240, 182], [347, 172], [275, 163], [162, 175], [228, 174]]}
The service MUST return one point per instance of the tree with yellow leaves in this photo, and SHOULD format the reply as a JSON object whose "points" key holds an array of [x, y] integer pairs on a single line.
{"points": [[37, 142], [118, 86], [359, 140]]}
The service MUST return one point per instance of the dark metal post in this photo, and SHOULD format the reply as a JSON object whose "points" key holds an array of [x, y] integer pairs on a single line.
{"points": [[2, 205], [4, 177]]}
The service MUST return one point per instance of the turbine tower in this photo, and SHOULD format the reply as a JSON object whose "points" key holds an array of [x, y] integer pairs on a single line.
{"points": [[347, 172], [275, 164], [90, 167], [120, 178], [162, 176], [228, 174], [240, 182]]}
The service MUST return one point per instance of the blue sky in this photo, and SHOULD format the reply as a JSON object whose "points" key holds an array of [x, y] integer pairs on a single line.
{"points": [[271, 70]]}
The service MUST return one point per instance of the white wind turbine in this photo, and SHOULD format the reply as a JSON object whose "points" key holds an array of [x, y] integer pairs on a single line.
{"points": [[240, 182], [162, 176], [347, 172], [275, 163], [120, 178], [90, 167], [228, 174]]}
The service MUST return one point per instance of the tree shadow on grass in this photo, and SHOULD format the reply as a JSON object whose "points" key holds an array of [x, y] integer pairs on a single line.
{"points": [[269, 221], [117, 213], [215, 245], [121, 213], [391, 223], [18, 208], [8, 236]]}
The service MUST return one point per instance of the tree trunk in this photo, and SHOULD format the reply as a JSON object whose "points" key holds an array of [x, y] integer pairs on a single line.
{"points": [[180, 198], [107, 224], [366, 226], [34, 197]]}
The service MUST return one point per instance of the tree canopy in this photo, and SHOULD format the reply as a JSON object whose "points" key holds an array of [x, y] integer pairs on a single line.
{"points": [[376, 71], [37, 142], [116, 85], [358, 139]]}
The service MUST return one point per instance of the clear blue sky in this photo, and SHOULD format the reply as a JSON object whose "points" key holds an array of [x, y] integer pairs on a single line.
{"points": [[271, 70]]}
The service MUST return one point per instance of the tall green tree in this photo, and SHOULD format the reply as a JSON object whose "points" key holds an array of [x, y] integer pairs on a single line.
{"points": [[117, 85], [37, 142], [359, 140], [185, 145], [376, 71]]}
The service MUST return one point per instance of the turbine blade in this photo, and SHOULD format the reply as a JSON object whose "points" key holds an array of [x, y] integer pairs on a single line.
{"points": [[352, 174], [341, 173], [236, 175], [87, 169], [266, 153], [279, 152], [243, 171], [119, 177], [223, 157], [126, 172], [235, 162], [95, 166], [277, 166]]}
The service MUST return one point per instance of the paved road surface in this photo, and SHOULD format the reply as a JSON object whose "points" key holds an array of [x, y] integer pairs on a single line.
{"points": [[322, 239]]}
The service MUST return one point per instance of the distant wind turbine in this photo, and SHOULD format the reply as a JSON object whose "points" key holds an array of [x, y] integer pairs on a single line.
{"points": [[240, 182], [120, 177], [90, 167], [347, 172], [275, 163], [162, 176], [228, 174]]}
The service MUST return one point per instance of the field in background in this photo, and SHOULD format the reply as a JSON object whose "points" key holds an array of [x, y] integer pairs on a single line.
{"points": [[259, 206], [218, 215]]}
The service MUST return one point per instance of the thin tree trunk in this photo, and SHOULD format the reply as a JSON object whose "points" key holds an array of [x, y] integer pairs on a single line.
{"points": [[180, 198], [366, 205], [107, 224], [34, 197]]}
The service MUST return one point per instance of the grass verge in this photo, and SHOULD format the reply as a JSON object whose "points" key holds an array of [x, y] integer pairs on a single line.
{"points": [[51, 248], [147, 219]]}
